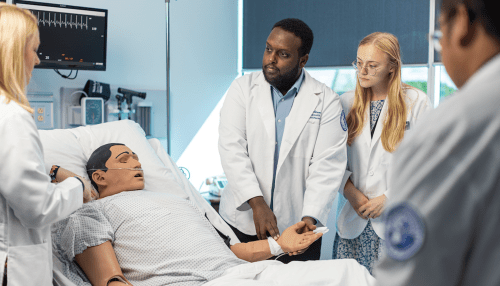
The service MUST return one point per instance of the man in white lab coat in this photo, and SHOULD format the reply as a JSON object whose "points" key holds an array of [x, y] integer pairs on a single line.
{"points": [[442, 225], [280, 173]]}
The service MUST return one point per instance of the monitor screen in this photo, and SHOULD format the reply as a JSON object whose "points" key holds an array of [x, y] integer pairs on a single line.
{"points": [[71, 37]]}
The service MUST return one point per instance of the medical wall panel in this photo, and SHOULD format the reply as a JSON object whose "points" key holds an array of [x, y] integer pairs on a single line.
{"points": [[338, 27]]}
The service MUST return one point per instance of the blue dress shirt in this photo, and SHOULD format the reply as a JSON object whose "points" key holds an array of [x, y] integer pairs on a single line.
{"points": [[282, 106]]}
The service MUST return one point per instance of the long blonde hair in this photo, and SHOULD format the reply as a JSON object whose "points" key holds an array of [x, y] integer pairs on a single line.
{"points": [[16, 27], [395, 121]]}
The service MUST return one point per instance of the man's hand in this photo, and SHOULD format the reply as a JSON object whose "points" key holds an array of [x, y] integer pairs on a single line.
{"points": [[264, 218], [355, 197], [295, 240], [89, 193], [373, 208], [310, 224]]}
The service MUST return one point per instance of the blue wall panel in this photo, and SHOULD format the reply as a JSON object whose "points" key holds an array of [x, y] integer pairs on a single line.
{"points": [[338, 26]]}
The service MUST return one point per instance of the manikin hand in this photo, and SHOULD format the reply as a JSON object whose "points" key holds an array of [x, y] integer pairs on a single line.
{"points": [[264, 218], [89, 193], [308, 226], [373, 208], [295, 240]]}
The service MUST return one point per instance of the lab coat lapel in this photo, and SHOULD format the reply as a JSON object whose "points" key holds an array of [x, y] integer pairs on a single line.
{"points": [[303, 106], [262, 93], [379, 126], [365, 136]]}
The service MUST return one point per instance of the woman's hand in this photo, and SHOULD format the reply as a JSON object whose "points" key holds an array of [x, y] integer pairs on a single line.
{"points": [[373, 208], [294, 240], [89, 193], [355, 197]]}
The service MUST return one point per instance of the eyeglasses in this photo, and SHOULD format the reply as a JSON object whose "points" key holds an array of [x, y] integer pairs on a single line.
{"points": [[371, 70], [435, 38]]}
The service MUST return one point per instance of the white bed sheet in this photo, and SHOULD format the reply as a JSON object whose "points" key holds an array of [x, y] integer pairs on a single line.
{"points": [[340, 272]]}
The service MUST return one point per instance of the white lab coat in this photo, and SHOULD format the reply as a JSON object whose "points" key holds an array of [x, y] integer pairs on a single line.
{"points": [[450, 175], [312, 157], [29, 203], [368, 162]]}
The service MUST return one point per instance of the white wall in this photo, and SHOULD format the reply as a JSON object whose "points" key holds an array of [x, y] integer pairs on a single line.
{"points": [[136, 54], [203, 63]]}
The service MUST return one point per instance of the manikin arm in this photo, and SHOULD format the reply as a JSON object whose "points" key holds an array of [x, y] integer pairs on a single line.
{"points": [[100, 265], [291, 241], [252, 251]]}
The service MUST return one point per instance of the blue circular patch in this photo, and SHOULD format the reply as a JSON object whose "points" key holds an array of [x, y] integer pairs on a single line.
{"points": [[343, 122], [404, 232]]}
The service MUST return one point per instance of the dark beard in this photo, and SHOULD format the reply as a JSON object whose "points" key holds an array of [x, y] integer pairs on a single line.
{"points": [[285, 81]]}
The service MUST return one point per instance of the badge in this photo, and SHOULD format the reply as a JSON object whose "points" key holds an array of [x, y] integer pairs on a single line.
{"points": [[343, 122], [404, 232]]}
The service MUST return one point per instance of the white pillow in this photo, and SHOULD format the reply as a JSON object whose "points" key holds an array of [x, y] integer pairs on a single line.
{"points": [[61, 148], [156, 175]]}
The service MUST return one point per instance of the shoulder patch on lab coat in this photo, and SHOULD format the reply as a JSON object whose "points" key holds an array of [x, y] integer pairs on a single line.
{"points": [[343, 122], [404, 232]]}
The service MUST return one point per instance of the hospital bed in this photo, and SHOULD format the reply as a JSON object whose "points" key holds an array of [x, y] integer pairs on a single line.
{"points": [[70, 148]]}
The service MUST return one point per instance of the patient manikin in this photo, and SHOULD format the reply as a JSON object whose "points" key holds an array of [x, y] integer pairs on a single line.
{"points": [[130, 236]]}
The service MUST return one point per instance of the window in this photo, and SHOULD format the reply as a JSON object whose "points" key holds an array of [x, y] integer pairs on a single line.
{"points": [[444, 86]]}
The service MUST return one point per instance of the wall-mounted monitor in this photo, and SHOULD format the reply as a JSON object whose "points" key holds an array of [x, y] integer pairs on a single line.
{"points": [[71, 37]]}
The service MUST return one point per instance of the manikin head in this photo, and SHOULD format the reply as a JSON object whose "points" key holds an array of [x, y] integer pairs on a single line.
{"points": [[286, 53], [113, 168]]}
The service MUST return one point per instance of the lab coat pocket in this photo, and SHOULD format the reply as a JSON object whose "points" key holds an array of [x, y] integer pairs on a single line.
{"points": [[30, 265], [385, 159]]}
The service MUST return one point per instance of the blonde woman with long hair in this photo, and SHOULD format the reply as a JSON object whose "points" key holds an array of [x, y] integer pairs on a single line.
{"points": [[380, 111], [29, 202]]}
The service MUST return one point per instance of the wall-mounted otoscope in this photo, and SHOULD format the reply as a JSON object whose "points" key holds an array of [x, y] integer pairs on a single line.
{"points": [[127, 96]]}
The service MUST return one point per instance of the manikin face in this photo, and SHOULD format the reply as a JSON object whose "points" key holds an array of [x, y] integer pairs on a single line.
{"points": [[368, 57], [281, 63], [118, 178], [30, 55]]}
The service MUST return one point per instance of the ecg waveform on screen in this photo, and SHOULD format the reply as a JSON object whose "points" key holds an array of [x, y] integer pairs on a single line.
{"points": [[61, 20]]}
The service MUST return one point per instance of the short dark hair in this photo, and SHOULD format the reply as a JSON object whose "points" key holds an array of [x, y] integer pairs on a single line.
{"points": [[98, 159], [299, 29], [483, 12]]}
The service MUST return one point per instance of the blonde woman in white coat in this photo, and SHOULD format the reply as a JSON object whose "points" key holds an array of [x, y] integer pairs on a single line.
{"points": [[380, 111], [29, 202]]}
